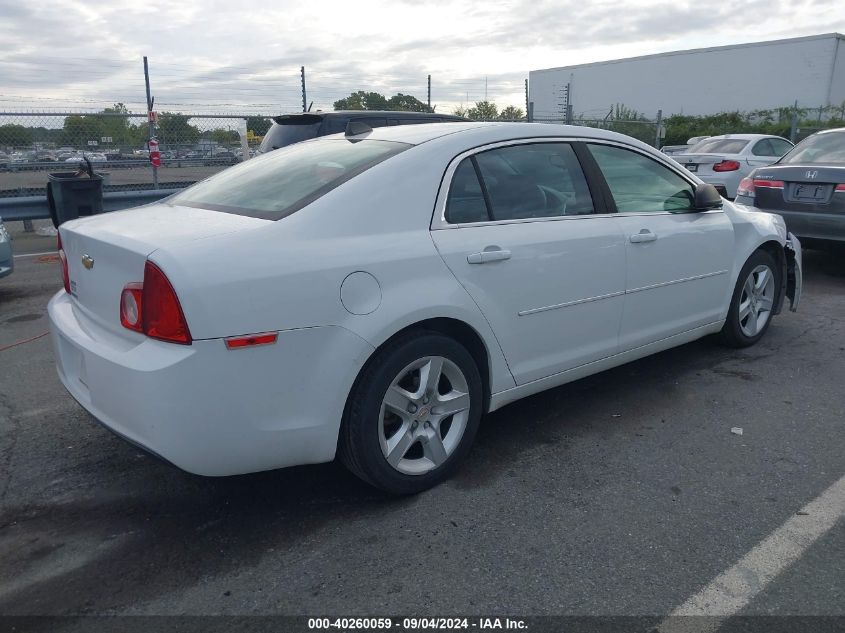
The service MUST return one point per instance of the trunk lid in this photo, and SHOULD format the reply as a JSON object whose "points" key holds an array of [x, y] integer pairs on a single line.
{"points": [[806, 188], [106, 252]]}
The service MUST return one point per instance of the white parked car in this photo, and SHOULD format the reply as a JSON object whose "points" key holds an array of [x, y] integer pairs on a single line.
{"points": [[723, 161], [376, 294]]}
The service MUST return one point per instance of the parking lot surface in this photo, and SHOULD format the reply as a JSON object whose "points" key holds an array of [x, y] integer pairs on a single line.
{"points": [[622, 494]]}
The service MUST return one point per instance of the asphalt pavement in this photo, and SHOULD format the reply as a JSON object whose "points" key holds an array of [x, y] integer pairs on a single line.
{"points": [[625, 493]]}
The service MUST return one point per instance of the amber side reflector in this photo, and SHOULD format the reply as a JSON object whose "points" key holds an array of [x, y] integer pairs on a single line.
{"points": [[237, 342]]}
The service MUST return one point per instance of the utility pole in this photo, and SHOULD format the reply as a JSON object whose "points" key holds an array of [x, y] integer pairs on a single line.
{"points": [[658, 134], [793, 128], [304, 99], [527, 109], [150, 117], [429, 93], [566, 106], [485, 88]]}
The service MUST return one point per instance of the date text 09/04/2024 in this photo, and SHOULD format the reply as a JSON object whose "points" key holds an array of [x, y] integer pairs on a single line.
{"points": [[415, 624]]}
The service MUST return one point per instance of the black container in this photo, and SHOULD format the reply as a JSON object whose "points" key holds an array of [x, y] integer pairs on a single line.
{"points": [[71, 196]]}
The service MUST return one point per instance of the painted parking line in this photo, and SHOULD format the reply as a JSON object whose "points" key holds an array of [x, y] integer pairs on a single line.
{"points": [[732, 590]]}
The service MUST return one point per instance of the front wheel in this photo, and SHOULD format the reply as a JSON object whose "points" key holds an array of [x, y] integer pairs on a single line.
{"points": [[753, 301], [413, 414]]}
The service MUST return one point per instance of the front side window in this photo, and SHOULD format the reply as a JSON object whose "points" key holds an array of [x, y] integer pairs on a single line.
{"points": [[640, 184], [277, 184]]}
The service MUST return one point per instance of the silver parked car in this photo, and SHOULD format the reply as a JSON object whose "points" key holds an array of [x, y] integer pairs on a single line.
{"points": [[723, 161], [7, 259]]}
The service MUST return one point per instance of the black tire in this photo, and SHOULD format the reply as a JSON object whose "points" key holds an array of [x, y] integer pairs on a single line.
{"points": [[359, 445], [732, 333]]}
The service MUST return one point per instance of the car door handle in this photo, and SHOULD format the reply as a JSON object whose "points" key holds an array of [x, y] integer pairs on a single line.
{"points": [[643, 236], [489, 254]]}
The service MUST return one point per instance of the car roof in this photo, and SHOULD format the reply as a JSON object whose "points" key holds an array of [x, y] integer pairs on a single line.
{"points": [[742, 137], [473, 133], [361, 114]]}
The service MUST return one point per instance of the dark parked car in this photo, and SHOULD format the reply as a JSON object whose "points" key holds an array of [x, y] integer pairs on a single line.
{"points": [[806, 187], [293, 128]]}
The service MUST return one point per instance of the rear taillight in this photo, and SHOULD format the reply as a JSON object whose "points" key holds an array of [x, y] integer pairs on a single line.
{"points": [[63, 260], [768, 184], [153, 308], [726, 165], [840, 188], [745, 188]]}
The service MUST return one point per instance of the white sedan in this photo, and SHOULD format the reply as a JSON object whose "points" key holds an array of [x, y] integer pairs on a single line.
{"points": [[374, 294], [723, 161]]}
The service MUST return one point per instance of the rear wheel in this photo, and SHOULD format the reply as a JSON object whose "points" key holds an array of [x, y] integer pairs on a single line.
{"points": [[753, 301], [413, 414]]}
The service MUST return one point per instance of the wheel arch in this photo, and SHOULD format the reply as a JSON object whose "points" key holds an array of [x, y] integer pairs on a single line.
{"points": [[776, 250], [456, 329]]}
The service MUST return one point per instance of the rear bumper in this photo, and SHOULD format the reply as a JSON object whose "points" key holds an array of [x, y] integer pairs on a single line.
{"points": [[815, 226], [207, 409]]}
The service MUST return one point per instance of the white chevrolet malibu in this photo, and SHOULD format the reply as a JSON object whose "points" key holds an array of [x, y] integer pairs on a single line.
{"points": [[374, 294]]}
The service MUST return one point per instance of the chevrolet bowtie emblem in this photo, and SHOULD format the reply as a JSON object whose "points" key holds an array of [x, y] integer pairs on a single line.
{"points": [[88, 261]]}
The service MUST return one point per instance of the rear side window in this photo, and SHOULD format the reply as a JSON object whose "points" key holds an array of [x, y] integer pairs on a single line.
{"points": [[720, 146], [277, 184], [818, 149], [640, 184], [763, 148], [541, 180], [287, 134], [780, 146]]}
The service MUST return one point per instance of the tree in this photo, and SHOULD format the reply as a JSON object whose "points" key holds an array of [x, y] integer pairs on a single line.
{"points": [[483, 111], [362, 100], [224, 137], [512, 113], [258, 125], [461, 111], [78, 130], [407, 103], [15, 135], [175, 129]]}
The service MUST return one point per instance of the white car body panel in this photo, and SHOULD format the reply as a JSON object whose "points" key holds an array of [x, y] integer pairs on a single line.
{"points": [[215, 411], [679, 281], [540, 294]]}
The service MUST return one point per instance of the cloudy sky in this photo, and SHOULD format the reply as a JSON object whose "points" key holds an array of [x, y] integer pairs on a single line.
{"points": [[224, 55]]}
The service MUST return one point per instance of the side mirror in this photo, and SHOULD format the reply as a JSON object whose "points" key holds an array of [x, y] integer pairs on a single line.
{"points": [[707, 198]]}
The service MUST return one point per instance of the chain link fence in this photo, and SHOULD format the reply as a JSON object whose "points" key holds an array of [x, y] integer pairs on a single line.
{"points": [[33, 145]]}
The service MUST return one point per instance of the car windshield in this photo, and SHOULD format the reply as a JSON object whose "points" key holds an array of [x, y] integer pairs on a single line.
{"points": [[280, 183], [720, 146], [819, 149]]}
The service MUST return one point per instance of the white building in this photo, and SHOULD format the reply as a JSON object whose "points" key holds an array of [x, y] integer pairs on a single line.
{"points": [[764, 75]]}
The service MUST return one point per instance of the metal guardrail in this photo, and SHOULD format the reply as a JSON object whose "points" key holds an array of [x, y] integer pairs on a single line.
{"points": [[35, 207]]}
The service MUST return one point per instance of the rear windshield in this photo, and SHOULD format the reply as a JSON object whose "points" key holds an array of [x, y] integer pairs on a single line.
{"points": [[287, 134], [277, 184], [819, 149], [719, 146]]}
